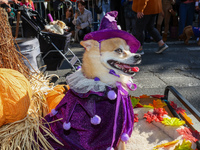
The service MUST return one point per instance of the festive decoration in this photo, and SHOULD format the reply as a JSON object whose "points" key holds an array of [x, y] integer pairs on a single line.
{"points": [[15, 96], [53, 112], [96, 120], [148, 106], [135, 117], [158, 103], [124, 137], [189, 134], [55, 96], [134, 101], [73, 0], [186, 145], [173, 121], [156, 115], [112, 95], [187, 118], [66, 126], [177, 109], [144, 96], [157, 96], [167, 144]]}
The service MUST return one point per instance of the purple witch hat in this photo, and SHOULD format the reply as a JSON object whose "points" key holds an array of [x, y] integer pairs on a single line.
{"points": [[108, 29]]}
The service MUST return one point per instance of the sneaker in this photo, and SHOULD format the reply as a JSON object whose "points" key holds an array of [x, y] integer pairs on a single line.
{"points": [[141, 52], [162, 48]]}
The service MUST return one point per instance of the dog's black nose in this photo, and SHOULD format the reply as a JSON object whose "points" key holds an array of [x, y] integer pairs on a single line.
{"points": [[137, 56]]}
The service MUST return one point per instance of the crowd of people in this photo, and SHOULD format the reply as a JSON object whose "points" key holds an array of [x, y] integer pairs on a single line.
{"points": [[144, 19]]}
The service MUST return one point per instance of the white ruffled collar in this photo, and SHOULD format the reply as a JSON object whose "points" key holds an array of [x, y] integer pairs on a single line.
{"points": [[80, 84]]}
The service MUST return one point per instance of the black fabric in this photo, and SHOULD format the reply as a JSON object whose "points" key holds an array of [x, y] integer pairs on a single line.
{"points": [[98, 9], [56, 4], [128, 12]]}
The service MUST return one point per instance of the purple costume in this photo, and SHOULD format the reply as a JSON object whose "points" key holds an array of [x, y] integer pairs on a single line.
{"points": [[94, 115], [196, 31], [78, 109]]}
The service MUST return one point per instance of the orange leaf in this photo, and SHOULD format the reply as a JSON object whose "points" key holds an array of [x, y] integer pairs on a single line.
{"points": [[189, 120], [158, 104]]}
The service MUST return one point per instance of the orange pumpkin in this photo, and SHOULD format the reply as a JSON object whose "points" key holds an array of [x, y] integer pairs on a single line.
{"points": [[56, 95], [15, 95]]}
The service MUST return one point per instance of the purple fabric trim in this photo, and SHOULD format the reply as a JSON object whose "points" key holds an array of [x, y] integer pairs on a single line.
{"points": [[113, 73], [129, 85], [116, 115], [96, 79]]}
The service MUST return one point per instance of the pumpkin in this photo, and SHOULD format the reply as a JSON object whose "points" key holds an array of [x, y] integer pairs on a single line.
{"points": [[54, 97], [15, 95]]}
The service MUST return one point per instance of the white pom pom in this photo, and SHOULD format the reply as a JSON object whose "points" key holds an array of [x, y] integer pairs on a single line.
{"points": [[112, 95], [110, 148], [96, 120], [66, 126], [124, 137], [53, 112]]}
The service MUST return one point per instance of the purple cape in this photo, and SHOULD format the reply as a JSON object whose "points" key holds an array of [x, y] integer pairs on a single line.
{"points": [[78, 109]]}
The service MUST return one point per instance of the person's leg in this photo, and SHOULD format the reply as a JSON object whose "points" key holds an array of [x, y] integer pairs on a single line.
{"points": [[151, 28], [182, 17], [81, 34], [155, 34], [128, 24], [140, 27], [190, 14], [159, 22], [133, 26], [87, 30], [168, 7]]}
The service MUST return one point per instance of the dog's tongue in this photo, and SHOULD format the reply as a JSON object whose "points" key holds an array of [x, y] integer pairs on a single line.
{"points": [[135, 69]]}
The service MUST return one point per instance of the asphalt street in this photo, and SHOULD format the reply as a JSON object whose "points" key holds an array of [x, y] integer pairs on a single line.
{"points": [[178, 66]]}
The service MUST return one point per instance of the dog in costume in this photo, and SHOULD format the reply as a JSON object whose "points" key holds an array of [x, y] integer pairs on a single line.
{"points": [[96, 113], [188, 32]]}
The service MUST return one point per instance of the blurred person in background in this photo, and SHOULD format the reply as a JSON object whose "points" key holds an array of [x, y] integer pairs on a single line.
{"points": [[82, 21], [165, 16], [129, 16], [186, 13], [146, 11], [68, 20]]}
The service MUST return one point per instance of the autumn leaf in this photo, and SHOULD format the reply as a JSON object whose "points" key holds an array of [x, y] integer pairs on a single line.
{"points": [[148, 106], [189, 120], [158, 104], [156, 115], [136, 118], [166, 144], [173, 121], [144, 96], [189, 134], [186, 145], [134, 101], [157, 96], [177, 109]]}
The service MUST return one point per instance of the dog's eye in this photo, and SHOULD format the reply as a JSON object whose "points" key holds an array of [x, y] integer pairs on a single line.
{"points": [[119, 50]]}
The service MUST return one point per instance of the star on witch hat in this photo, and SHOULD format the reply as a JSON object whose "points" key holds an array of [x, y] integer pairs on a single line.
{"points": [[108, 29]]}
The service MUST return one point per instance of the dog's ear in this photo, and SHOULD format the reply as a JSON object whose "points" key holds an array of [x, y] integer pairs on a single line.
{"points": [[90, 44]]}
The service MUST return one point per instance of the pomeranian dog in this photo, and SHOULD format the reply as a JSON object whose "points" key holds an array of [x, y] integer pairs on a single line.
{"points": [[97, 113], [114, 55], [189, 32], [56, 27]]}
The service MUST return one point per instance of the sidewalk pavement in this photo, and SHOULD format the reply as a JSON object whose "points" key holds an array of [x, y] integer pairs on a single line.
{"points": [[178, 66]]}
